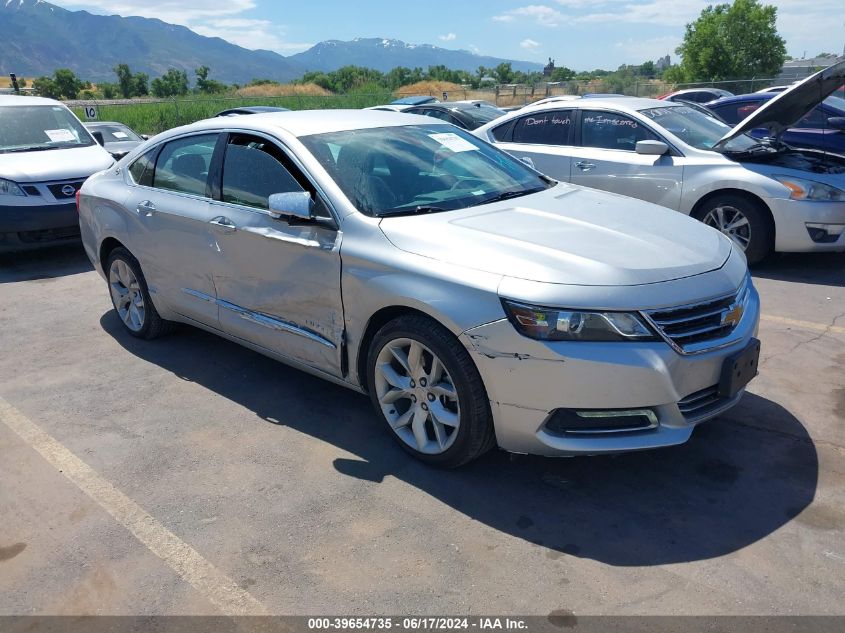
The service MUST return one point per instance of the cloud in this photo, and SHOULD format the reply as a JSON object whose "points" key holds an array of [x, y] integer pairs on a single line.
{"points": [[447, 38], [539, 13], [529, 44], [250, 34], [212, 18]]}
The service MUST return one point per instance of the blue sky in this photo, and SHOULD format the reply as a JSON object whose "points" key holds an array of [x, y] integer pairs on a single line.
{"points": [[580, 34]]}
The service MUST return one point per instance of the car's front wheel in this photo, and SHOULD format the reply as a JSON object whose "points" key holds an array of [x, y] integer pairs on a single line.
{"points": [[426, 388], [743, 221], [131, 297]]}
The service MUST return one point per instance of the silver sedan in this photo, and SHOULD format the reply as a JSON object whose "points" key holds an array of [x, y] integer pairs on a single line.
{"points": [[764, 195], [476, 301]]}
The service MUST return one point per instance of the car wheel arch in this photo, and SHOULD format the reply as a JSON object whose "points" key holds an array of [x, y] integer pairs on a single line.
{"points": [[379, 319], [751, 197], [106, 247]]}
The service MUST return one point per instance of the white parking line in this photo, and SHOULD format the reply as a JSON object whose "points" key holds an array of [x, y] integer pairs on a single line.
{"points": [[804, 325], [189, 564]]}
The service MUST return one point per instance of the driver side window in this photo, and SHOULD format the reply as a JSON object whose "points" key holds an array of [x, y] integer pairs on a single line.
{"points": [[610, 130], [253, 169]]}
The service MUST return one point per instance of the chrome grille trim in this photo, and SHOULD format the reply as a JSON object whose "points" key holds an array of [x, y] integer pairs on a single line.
{"points": [[700, 327]]}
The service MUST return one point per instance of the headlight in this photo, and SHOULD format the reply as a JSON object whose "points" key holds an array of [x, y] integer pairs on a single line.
{"points": [[9, 188], [552, 324], [801, 189]]}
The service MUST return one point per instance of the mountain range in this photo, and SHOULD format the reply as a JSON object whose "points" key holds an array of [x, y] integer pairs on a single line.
{"points": [[39, 37]]}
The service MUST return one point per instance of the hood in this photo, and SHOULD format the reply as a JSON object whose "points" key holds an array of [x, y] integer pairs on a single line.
{"points": [[54, 164], [791, 105], [566, 235]]}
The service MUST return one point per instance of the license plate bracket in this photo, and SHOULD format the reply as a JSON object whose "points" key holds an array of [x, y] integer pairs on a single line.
{"points": [[738, 370]]}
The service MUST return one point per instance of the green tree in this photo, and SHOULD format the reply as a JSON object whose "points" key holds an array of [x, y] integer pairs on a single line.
{"points": [[206, 85], [562, 73], [141, 82], [173, 83], [67, 83], [125, 80], [46, 87], [503, 73], [108, 90], [732, 41]]}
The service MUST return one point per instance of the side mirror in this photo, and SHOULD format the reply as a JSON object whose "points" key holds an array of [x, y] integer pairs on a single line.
{"points": [[837, 122], [98, 136], [652, 148], [527, 160], [299, 205]]}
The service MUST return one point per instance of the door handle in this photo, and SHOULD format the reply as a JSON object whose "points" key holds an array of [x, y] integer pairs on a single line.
{"points": [[585, 166], [224, 223], [146, 208]]}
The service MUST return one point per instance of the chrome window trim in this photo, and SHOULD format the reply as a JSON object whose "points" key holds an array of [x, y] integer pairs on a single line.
{"points": [[262, 319]]}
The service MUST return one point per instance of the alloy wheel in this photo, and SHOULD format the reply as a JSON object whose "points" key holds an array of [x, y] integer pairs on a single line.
{"points": [[417, 396], [126, 294], [732, 222]]}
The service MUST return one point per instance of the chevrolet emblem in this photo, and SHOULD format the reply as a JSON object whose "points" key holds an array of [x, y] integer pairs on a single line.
{"points": [[733, 316]]}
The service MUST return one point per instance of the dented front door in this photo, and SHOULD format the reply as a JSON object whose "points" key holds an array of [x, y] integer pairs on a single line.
{"points": [[277, 282]]}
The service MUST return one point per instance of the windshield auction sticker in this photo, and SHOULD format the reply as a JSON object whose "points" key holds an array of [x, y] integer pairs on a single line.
{"points": [[452, 141], [60, 136]]}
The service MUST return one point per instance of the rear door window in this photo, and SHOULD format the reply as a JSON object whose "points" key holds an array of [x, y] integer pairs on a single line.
{"points": [[183, 164], [544, 128]]}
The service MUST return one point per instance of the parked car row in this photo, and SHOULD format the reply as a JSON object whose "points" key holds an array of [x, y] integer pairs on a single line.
{"points": [[479, 296]]}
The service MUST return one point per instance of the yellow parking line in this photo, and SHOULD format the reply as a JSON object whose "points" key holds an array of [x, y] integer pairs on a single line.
{"points": [[189, 564], [804, 325]]}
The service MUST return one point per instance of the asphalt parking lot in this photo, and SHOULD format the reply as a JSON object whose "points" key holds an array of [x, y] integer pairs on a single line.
{"points": [[191, 476]]}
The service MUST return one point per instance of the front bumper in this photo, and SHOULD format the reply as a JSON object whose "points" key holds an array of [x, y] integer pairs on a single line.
{"points": [[791, 219], [528, 380], [37, 226]]}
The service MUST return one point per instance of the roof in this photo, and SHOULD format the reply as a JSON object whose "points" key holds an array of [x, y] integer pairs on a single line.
{"points": [[630, 103], [16, 100], [305, 122]]}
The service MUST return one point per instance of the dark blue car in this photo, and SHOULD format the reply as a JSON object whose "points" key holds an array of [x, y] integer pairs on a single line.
{"points": [[823, 128]]}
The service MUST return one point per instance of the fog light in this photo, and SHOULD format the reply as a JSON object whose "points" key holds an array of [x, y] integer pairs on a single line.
{"points": [[571, 421], [825, 233]]}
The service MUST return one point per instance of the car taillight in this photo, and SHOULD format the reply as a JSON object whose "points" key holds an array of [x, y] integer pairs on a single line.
{"points": [[78, 191]]}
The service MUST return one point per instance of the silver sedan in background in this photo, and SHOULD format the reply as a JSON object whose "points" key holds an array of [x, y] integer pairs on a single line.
{"points": [[476, 301], [764, 195]]}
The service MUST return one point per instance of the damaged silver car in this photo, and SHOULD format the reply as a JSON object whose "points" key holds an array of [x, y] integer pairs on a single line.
{"points": [[476, 301]]}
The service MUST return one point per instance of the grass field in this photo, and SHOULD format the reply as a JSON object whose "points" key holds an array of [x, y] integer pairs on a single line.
{"points": [[152, 117]]}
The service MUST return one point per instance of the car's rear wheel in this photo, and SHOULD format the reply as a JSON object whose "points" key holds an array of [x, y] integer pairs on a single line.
{"points": [[131, 297], [743, 221], [426, 388]]}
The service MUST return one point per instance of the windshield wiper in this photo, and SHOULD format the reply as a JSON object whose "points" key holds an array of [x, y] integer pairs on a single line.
{"points": [[420, 210], [34, 148], [756, 148], [507, 195]]}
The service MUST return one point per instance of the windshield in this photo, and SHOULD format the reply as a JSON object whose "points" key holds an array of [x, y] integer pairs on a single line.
{"points": [[115, 133], [696, 129], [40, 127], [420, 169]]}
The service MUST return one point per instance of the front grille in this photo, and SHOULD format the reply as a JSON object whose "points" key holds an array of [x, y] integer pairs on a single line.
{"points": [[49, 235], [701, 403], [702, 326], [30, 190], [56, 189]]}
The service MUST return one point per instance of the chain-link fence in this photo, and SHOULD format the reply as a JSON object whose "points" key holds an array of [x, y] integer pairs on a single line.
{"points": [[151, 116]]}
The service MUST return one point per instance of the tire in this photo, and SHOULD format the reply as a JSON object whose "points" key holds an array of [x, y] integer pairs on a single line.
{"points": [[131, 297], [755, 237], [458, 426]]}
